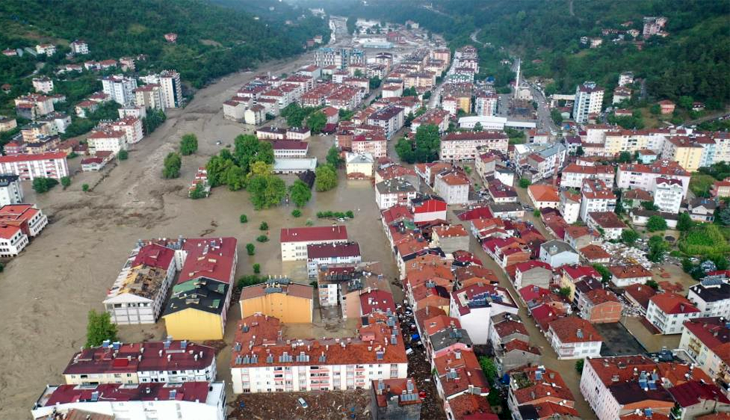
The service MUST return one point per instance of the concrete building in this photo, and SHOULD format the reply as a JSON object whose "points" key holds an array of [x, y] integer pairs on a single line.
{"points": [[569, 206], [574, 338], [476, 304], [42, 84], [289, 149], [390, 119], [533, 273], [543, 196], [107, 141], [588, 100], [668, 194], [395, 399], [450, 238], [149, 96], [533, 388], [711, 297], [453, 186], [29, 167], [469, 145], [643, 177], [626, 275], [294, 241], [262, 361], [280, 298], [668, 311], [165, 361], [12, 241], [11, 191], [606, 222], [600, 306], [359, 165], [158, 401], [558, 253], [706, 340], [120, 89], [573, 175], [328, 254], [79, 46], [596, 196], [392, 192]]}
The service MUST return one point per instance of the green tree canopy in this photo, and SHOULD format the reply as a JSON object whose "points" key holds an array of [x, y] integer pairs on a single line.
{"points": [[334, 158], [300, 193], [656, 223], [266, 191], [316, 122], [99, 328], [188, 144], [172, 166], [43, 185], [326, 178], [629, 236]]}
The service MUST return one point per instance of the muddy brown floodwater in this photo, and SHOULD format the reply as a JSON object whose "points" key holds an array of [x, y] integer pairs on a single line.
{"points": [[67, 270]]}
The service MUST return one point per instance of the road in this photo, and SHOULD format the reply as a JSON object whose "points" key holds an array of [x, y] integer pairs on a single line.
{"points": [[473, 36], [544, 120]]}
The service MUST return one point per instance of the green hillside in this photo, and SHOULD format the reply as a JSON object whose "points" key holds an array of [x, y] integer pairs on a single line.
{"points": [[212, 40]]}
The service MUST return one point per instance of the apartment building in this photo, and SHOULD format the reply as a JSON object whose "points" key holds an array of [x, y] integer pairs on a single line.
{"points": [[588, 101], [600, 306], [12, 241], [543, 196], [685, 151], [294, 241], [28, 167], [79, 46], [596, 197], [558, 253], [149, 96], [606, 222], [120, 89], [573, 175], [453, 187], [279, 297], [42, 84], [390, 119], [569, 206], [107, 140], [668, 194], [706, 340], [11, 191], [469, 145], [643, 177], [485, 104], [668, 311], [711, 297], [335, 253], [374, 144], [262, 361], [574, 338], [474, 306], [393, 192], [537, 388], [152, 401], [168, 361]]}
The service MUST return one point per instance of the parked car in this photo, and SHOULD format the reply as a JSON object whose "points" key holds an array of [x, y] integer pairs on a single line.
{"points": [[303, 403]]}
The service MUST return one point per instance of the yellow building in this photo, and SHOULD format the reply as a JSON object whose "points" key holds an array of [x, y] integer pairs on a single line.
{"points": [[464, 103], [280, 298], [684, 151], [197, 310]]}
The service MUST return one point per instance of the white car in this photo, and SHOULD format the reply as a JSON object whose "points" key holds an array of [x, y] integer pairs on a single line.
{"points": [[303, 403]]}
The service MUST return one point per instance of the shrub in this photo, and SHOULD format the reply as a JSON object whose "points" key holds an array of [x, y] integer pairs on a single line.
{"points": [[123, 155], [243, 218], [257, 268], [65, 182], [246, 281], [264, 226], [350, 214], [296, 213], [42, 185], [250, 249], [85, 188], [262, 238], [524, 183]]}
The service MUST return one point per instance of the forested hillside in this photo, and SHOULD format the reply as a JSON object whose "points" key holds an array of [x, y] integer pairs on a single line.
{"points": [[693, 60], [212, 40]]}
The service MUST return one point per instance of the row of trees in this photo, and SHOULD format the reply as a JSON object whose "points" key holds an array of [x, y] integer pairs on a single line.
{"points": [[424, 148], [297, 116]]}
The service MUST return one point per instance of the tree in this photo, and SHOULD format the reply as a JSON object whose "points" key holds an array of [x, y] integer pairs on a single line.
{"points": [[65, 182], [257, 268], [262, 238], [325, 178], [99, 328], [557, 116], [316, 122], [655, 109], [478, 127], [427, 143], [603, 271], [85, 188], [198, 192], [653, 284], [579, 151], [235, 178], [489, 369], [579, 366], [296, 213], [43, 185], [123, 155], [684, 224], [374, 82], [248, 149], [266, 191], [656, 223], [334, 158], [524, 183], [565, 292], [404, 149], [300, 193], [172, 166], [264, 226], [250, 249], [243, 218], [629, 236], [250, 280], [624, 157], [188, 144], [657, 248], [648, 205], [536, 213]]}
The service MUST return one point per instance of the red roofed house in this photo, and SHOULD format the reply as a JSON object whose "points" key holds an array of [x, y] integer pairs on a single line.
{"points": [[533, 273], [543, 196], [599, 306], [574, 338], [450, 238], [376, 301], [707, 340], [12, 240], [294, 241], [668, 312], [29, 218], [395, 399], [695, 398], [334, 253], [29, 167], [667, 106], [537, 387], [458, 373], [639, 295], [428, 208], [453, 186]]}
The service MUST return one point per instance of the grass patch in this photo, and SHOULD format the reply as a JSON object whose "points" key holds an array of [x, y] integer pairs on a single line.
{"points": [[706, 239], [700, 184]]}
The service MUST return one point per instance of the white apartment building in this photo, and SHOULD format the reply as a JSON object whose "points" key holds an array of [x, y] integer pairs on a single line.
{"points": [[42, 84], [569, 206], [108, 141], [702, 338], [171, 89], [234, 109], [453, 187], [165, 361], [668, 311], [485, 105], [132, 111], [149, 96], [391, 119], [469, 145], [573, 175], [131, 127], [668, 194], [45, 49], [574, 338], [626, 78], [11, 191], [120, 89], [28, 215], [154, 401], [474, 306], [29, 167], [711, 297], [643, 177], [294, 241], [79, 47], [335, 253], [139, 292], [595, 197], [12, 241], [393, 192], [377, 353], [588, 100]]}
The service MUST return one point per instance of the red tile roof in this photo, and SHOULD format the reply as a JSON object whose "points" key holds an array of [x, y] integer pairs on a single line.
{"points": [[376, 301], [187, 391], [333, 250], [696, 392], [313, 234], [25, 158], [672, 303], [567, 330], [154, 255]]}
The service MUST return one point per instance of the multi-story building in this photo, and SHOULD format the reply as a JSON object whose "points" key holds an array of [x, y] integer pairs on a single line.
{"points": [[340, 58], [29, 167], [395, 399], [12, 241], [294, 241], [596, 196], [543, 196], [574, 338], [79, 46], [120, 89], [668, 194], [687, 152], [374, 144], [280, 298], [588, 100], [654, 26], [33, 106], [130, 126], [137, 363], [711, 297], [335, 253], [152, 401], [485, 104], [706, 340], [536, 388], [457, 373], [643, 177], [30, 219], [42, 84], [149, 96], [668, 311], [573, 175], [606, 222], [393, 192], [390, 119], [469, 145], [11, 191], [600, 306], [453, 187], [474, 306], [262, 361], [626, 78], [569, 206], [45, 49], [108, 141], [170, 88], [558, 253], [287, 149]]}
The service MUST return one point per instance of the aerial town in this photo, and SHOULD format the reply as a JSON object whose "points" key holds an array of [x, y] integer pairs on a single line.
{"points": [[401, 236]]}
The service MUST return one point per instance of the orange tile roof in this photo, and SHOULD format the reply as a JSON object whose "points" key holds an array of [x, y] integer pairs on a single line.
{"points": [[566, 329], [544, 193]]}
